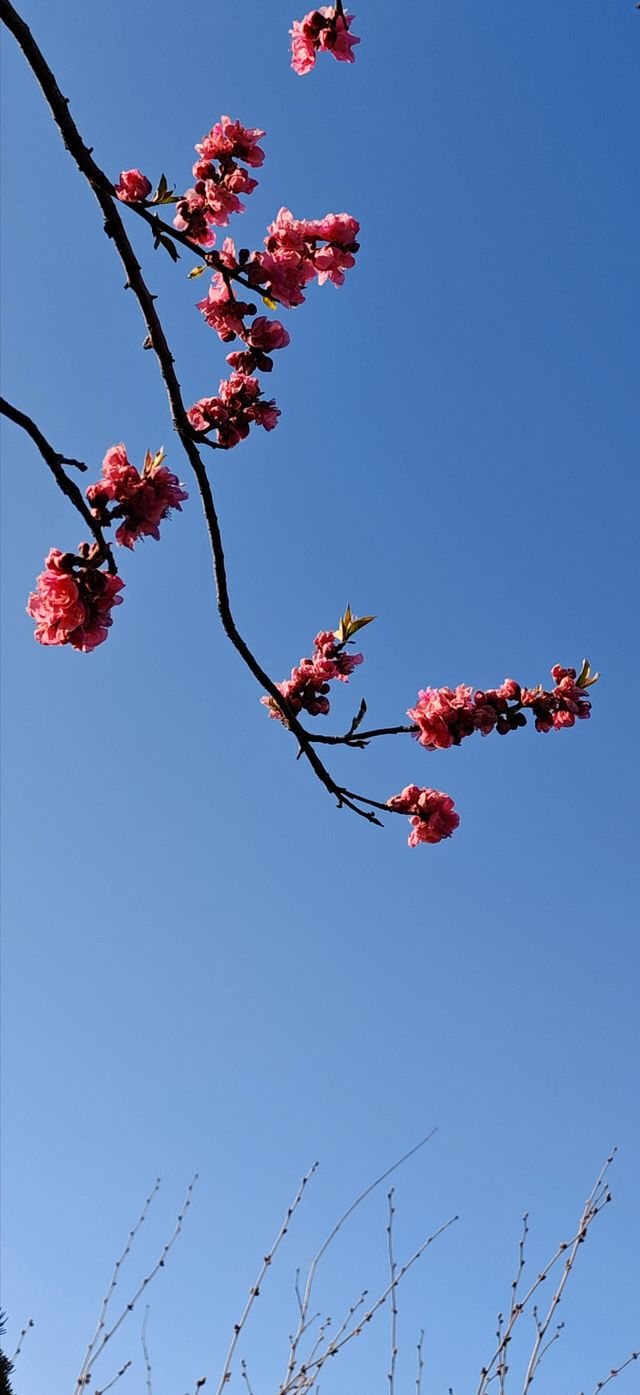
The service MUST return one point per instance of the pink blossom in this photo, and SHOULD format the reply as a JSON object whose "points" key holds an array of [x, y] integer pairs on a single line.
{"points": [[143, 501], [293, 256], [238, 405], [433, 814], [230, 139], [72, 602], [322, 30], [443, 716], [309, 683], [331, 263], [133, 187], [191, 218], [222, 311], [263, 334]]}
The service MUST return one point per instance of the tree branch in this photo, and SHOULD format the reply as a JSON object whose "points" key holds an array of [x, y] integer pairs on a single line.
{"points": [[55, 461], [115, 230]]}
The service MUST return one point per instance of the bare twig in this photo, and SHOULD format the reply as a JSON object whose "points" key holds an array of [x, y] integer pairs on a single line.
{"points": [[100, 1327], [307, 1373], [254, 1291], [394, 1302], [245, 1377], [55, 462], [419, 1363], [598, 1197], [103, 1335], [616, 1371], [117, 1376], [145, 1350], [28, 1325], [304, 1307]]}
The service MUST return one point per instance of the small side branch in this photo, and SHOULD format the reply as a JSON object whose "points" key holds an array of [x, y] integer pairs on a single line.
{"points": [[56, 463]]}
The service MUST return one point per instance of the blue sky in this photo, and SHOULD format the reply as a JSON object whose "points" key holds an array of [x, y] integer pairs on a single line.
{"points": [[206, 966]]}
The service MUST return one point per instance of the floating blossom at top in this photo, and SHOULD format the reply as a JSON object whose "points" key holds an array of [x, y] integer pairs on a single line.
{"points": [[445, 716], [133, 187], [73, 600], [220, 179], [142, 501], [433, 816], [326, 30], [309, 684]]}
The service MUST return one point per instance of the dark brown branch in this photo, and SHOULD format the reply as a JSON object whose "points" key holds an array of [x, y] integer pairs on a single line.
{"points": [[114, 228], [359, 738], [54, 460]]}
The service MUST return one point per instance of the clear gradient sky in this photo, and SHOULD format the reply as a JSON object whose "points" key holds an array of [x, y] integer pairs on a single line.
{"points": [[206, 966]]}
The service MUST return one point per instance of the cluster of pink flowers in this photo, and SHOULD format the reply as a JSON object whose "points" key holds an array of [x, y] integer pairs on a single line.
{"points": [[75, 595], [133, 187], [297, 252], [238, 404], [219, 180], [309, 684], [326, 30], [300, 250], [445, 716], [433, 816], [73, 600], [142, 501]]}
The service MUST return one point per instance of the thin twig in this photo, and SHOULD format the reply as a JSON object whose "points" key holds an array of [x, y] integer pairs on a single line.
{"points": [[394, 1301], [55, 462], [103, 1336], [254, 1291], [598, 1197], [307, 1373], [616, 1371], [100, 1327], [419, 1363], [145, 1350], [245, 1377], [117, 1376], [304, 1309], [358, 738], [28, 1325]]}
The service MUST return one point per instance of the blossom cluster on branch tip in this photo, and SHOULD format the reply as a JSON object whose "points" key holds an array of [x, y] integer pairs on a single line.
{"points": [[445, 716], [309, 684], [75, 595], [433, 816], [142, 501], [73, 600], [325, 30]]}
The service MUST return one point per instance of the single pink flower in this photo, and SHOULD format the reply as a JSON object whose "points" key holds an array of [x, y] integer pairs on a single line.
{"points": [[231, 140], [191, 218], [324, 30], [433, 816], [222, 311], [133, 187], [72, 603]]}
